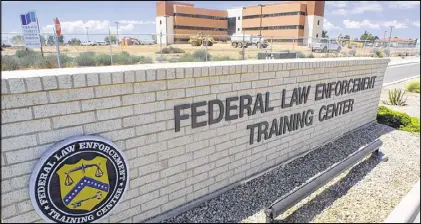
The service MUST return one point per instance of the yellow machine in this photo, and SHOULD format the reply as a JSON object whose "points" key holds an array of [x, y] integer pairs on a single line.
{"points": [[351, 43], [200, 39]]}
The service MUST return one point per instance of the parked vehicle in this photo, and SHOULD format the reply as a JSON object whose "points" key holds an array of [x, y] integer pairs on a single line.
{"points": [[101, 43], [147, 42], [240, 40], [87, 43], [326, 45]]}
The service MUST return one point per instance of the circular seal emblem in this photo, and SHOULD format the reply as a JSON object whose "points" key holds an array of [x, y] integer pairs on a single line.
{"points": [[79, 180]]}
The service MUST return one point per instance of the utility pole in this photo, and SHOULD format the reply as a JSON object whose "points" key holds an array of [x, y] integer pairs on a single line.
{"points": [[261, 17], [87, 35], [118, 38], [390, 37], [166, 30], [384, 36]]}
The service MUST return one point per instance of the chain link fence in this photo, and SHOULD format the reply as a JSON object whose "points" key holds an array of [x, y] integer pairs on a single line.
{"points": [[112, 49]]}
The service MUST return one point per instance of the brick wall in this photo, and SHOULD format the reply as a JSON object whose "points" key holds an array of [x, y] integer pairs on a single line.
{"points": [[133, 106]]}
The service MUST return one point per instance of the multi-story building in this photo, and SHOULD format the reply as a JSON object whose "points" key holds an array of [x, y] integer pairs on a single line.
{"points": [[297, 22]]}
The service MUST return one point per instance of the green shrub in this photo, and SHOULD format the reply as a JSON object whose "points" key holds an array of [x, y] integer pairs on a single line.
{"points": [[103, 59], [311, 55], [187, 57], [9, 63], [352, 52], [222, 58], [171, 50], [85, 59], [379, 54], [398, 120], [300, 54], [201, 55], [414, 86], [26, 52], [396, 97], [125, 58]]}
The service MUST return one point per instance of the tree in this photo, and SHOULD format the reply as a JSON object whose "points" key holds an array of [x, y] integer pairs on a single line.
{"points": [[347, 37], [16, 40], [52, 40], [113, 39], [43, 40], [74, 41], [324, 34], [368, 36]]}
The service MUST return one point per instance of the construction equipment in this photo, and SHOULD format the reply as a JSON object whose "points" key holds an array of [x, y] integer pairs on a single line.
{"points": [[129, 41], [201, 39], [240, 40]]}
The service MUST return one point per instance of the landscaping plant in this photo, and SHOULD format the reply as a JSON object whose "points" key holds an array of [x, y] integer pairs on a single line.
{"points": [[398, 120], [414, 86], [396, 97]]}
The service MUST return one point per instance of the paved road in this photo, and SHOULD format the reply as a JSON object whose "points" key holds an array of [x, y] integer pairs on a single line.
{"points": [[396, 72]]}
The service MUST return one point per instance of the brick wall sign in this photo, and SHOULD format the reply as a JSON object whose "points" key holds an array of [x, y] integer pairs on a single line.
{"points": [[79, 180], [187, 130]]}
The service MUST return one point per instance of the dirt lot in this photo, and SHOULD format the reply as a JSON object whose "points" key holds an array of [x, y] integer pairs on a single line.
{"points": [[220, 49]]}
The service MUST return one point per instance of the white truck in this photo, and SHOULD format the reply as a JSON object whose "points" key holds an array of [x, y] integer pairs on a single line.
{"points": [[240, 40]]}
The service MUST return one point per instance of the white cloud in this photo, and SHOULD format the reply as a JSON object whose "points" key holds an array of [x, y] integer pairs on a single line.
{"points": [[339, 12], [95, 26], [353, 24], [403, 4], [350, 24], [327, 25], [396, 24], [337, 4], [360, 7]]}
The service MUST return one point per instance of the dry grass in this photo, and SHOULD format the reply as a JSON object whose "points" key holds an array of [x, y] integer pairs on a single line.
{"points": [[220, 49]]}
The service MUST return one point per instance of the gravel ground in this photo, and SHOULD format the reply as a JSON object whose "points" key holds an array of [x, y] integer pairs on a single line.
{"points": [[413, 101], [365, 193]]}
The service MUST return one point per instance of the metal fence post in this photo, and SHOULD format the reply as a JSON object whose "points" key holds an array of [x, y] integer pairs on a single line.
{"points": [[109, 40], [242, 50], [293, 43], [160, 45], [327, 50], [57, 50], [271, 44], [206, 47]]}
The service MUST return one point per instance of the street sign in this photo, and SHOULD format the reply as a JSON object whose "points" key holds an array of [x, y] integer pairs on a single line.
{"points": [[30, 30], [58, 26]]}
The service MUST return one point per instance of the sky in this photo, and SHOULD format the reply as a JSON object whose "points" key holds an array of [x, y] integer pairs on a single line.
{"points": [[138, 17]]}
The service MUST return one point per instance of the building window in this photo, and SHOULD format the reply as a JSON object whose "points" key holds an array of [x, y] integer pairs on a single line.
{"points": [[238, 18], [199, 28], [318, 22], [160, 22], [275, 15], [200, 16], [317, 35], [291, 27]]}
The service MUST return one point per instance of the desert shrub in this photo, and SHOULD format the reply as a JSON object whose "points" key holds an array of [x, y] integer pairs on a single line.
{"points": [[143, 59], [171, 50], [352, 52], [300, 54], [201, 55], [379, 54], [187, 57], [26, 52], [102, 59], [396, 97], [414, 86], [311, 55], [386, 51], [86, 59], [9, 63], [222, 58], [398, 120]]}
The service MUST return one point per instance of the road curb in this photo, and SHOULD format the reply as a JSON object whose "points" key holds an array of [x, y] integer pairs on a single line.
{"points": [[404, 63], [408, 209], [402, 80]]}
